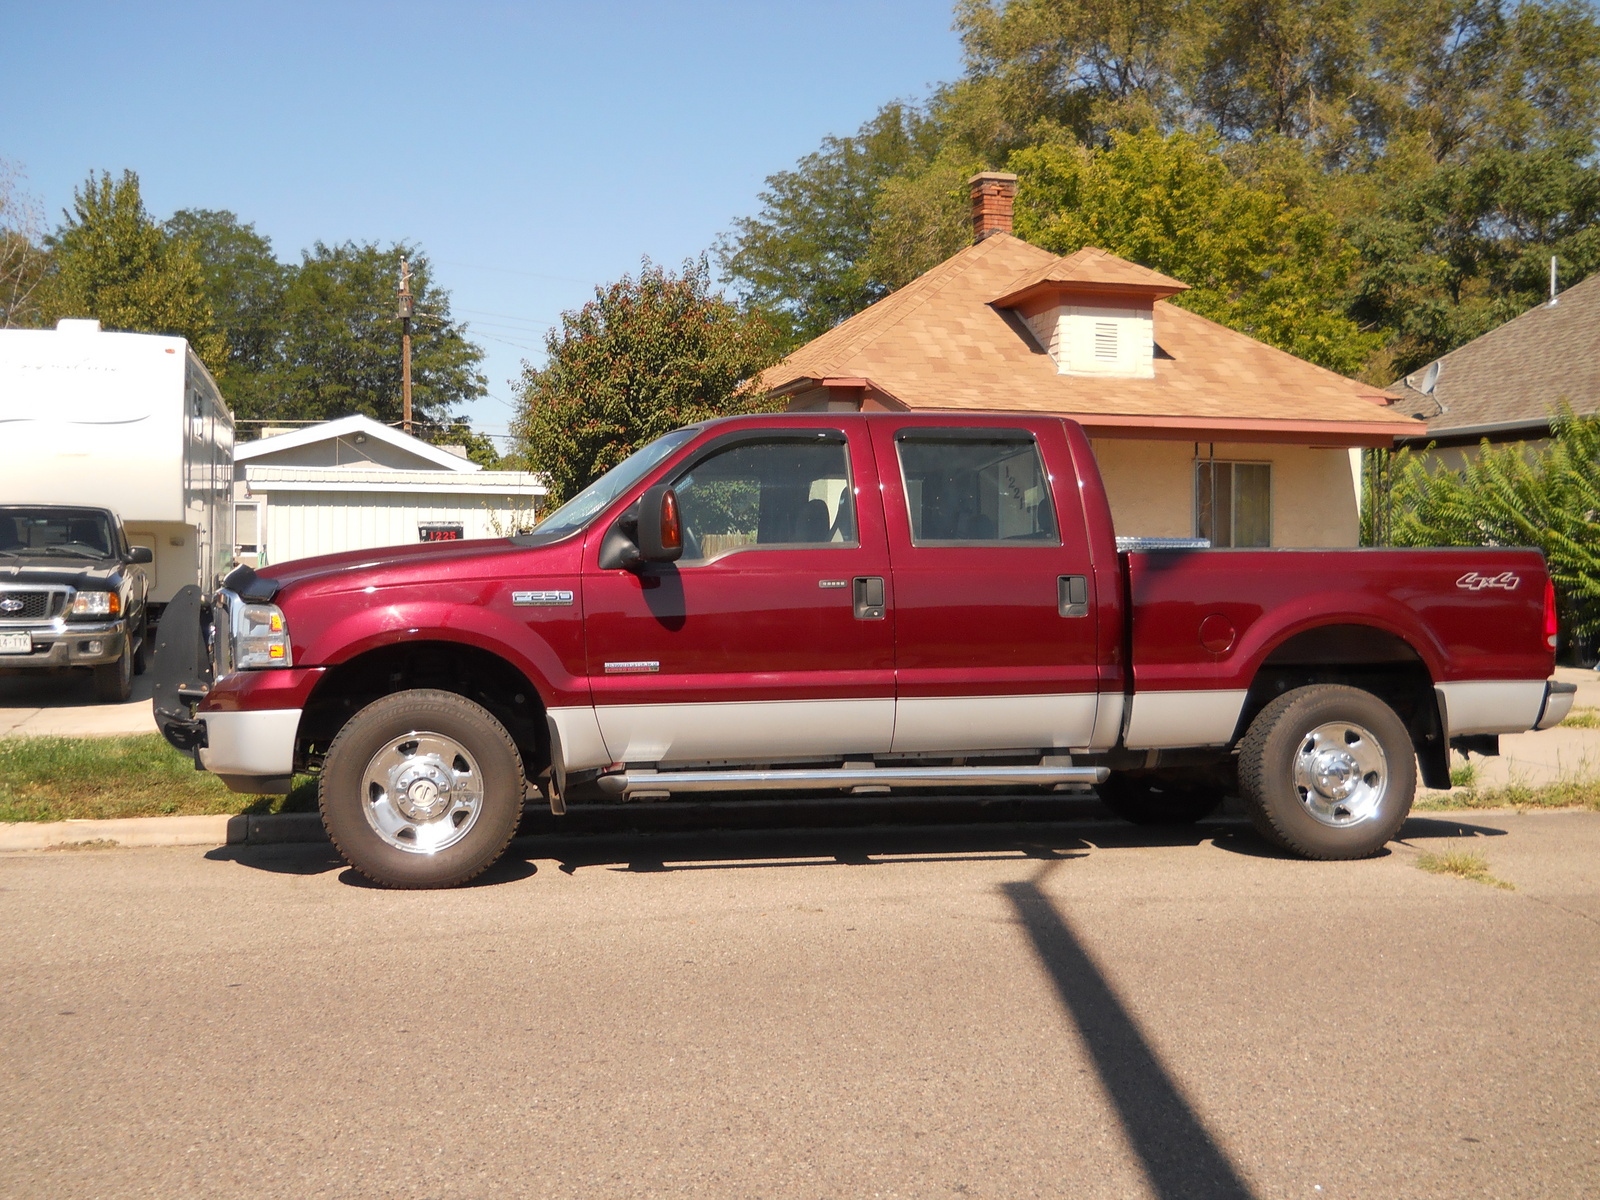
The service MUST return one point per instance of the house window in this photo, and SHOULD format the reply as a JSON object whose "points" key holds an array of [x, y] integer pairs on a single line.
{"points": [[1233, 502]]}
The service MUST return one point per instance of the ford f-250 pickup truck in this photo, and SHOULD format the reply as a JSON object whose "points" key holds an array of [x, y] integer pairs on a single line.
{"points": [[852, 602]]}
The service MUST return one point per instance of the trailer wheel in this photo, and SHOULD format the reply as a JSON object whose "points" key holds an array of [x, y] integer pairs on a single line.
{"points": [[422, 789], [1159, 799], [1327, 772], [113, 681]]}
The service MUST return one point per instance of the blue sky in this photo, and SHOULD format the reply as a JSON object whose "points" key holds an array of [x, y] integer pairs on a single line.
{"points": [[534, 150]]}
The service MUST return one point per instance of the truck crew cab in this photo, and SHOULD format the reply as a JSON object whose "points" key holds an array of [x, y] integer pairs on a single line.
{"points": [[830, 601]]}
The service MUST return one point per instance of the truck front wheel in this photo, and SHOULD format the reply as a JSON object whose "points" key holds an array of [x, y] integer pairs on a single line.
{"points": [[1327, 772], [422, 789]]}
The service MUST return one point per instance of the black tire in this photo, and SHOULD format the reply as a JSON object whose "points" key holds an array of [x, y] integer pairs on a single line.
{"points": [[1160, 798], [141, 653], [113, 681], [368, 826], [1368, 772]]}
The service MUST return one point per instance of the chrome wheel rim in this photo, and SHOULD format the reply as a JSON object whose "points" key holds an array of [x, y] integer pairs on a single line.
{"points": [[422, 793], [1341, 774]]}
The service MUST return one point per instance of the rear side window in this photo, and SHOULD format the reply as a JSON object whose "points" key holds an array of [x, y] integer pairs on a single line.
{"points": [[767, 495], [976, 487]]}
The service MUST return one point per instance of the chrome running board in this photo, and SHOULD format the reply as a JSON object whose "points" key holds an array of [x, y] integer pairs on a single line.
{"points": [[630, 783]]}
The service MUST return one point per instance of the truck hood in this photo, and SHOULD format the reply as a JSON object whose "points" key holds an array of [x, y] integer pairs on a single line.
{"points": [[44, 570], [392, 566]]}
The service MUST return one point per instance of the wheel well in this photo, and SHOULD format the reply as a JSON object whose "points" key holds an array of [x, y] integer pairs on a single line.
{"points": [[1373, 660], [480, 676]]}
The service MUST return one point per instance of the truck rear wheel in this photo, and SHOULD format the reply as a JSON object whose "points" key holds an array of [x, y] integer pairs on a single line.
{"points": [[1327, 772], [422, 789], [1147, 798]]}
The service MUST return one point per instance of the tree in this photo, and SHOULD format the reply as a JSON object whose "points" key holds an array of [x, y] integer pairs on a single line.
{"points": [[1467, 247], [339, 351], [1253, 261], [22, 257], [1547, 497], [244, 284], [803, 258], [646, 355], [110, 261]]}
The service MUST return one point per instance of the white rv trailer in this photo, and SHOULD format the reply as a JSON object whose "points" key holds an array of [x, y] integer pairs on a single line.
{"points": [[132, 422]]}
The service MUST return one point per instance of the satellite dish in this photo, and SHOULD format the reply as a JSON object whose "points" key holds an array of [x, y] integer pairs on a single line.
{"points": [[1430, 378]]}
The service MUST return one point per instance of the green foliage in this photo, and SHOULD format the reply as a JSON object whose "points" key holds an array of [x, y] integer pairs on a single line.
{"points": [[244, 284], [1255, 262], [112, 262], [803, 258], [1545, 496], [1467, 246], [480, 447], [1450, 144], [339, 351], [646, 355]]}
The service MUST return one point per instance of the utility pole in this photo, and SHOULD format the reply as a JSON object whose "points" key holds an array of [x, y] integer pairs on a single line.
{"points": [[404, 311]]}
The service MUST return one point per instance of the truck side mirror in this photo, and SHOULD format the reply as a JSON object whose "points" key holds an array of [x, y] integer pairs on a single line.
{"points": [[660, 526], [141, 554], [648, 530]]}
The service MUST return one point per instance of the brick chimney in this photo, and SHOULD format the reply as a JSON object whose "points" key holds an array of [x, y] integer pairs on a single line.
{"points": [[993, 193]]}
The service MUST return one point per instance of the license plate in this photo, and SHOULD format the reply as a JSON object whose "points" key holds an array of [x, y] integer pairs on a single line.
{"points": [[16, 643]]}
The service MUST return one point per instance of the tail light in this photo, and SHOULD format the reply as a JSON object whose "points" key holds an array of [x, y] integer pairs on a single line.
{"points": [[1552, 627]]}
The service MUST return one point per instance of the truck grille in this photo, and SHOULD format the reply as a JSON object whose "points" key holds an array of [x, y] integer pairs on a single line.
{"points": [[31, 604]]}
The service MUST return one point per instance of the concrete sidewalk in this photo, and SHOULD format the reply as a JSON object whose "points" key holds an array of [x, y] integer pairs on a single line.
{"points": [[64, 706]]}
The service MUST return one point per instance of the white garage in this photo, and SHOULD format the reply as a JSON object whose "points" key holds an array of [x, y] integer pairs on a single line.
{"points": [[354, 484]]}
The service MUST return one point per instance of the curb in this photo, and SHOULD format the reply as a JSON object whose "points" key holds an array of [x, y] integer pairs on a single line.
{"points": [[241, 830]]}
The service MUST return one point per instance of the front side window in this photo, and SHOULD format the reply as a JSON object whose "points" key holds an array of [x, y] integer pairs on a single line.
{"points": [[784, 493], [1233, 503], [976, 488]]}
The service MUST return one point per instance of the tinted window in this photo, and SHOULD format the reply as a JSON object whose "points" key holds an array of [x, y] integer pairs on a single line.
{"points": [[980, 489], [764, 495], [58, 531]]}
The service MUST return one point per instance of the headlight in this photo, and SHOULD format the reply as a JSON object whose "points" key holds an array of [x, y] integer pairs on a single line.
{"points": [[261, 637], [96, 604], [249, 637]]}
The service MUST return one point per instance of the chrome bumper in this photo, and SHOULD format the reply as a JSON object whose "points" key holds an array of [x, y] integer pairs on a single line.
{"points": [[250, 751], [59, 644]]}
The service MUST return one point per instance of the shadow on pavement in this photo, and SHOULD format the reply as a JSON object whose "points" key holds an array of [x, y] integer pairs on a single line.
{"points": [[70, 689], [766, 835], [1181, 1159]]}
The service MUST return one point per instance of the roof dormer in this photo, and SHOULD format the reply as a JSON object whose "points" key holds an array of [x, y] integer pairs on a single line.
{"points": [[1093, 313]]}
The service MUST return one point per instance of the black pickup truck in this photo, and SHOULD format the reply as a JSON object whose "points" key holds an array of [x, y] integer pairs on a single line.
{"points": [[72, 595]]}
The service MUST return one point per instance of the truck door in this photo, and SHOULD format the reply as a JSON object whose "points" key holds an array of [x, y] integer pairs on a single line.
{"points": [[769, 638], [993, 609]]}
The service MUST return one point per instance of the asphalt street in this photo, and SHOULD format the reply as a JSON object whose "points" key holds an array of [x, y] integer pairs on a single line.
{"points": [[1059, 1008]]}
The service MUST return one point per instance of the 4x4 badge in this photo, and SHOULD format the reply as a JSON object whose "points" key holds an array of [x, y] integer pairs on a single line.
{"points": [[1473, 582]]}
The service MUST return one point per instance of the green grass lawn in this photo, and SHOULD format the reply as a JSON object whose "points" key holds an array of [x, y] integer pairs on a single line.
{"points": [[1564, 793], [60, 779]]}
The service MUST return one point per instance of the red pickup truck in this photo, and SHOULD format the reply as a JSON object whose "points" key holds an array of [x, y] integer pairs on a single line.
{"points": [[849, 602]]}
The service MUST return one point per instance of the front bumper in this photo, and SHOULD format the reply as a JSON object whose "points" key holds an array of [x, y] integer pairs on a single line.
{"points": [[59, 644], [239, 734]]}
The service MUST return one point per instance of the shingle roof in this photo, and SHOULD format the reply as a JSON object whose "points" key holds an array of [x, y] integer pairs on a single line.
{"points": [[1516, 375], [939, 343], [1092, 267]]}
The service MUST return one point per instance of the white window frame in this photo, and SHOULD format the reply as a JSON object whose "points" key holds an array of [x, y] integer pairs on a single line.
{"points": [[1207, 464]]}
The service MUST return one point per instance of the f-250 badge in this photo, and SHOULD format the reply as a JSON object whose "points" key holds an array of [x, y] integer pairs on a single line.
{"points": [[1473, 582]]}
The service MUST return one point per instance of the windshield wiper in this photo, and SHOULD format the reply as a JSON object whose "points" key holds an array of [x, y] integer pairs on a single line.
{"points": [[81, 551]]}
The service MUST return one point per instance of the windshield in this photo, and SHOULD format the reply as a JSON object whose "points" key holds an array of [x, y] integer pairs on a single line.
{"points": [[575, 513], [63, 532]]}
